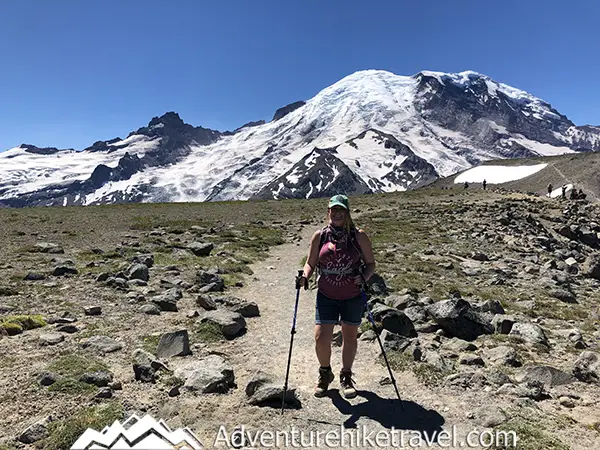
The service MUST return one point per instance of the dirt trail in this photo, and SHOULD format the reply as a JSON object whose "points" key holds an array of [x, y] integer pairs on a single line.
{"points": [[266, 345]]}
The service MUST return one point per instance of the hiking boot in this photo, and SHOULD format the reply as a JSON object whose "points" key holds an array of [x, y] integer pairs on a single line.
{"points": [[347, 384], [325, 377]]}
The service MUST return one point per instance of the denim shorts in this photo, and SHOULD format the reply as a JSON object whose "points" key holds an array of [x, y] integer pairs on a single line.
{"points": [[331, 311]]}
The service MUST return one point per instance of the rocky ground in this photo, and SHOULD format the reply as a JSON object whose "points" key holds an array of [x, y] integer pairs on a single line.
{"points": [[487, 304]]}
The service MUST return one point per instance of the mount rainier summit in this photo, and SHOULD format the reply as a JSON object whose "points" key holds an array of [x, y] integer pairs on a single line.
{"points": [[370, 132]]}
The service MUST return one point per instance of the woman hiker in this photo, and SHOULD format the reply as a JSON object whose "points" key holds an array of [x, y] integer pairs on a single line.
{"points": [[337, 250]]}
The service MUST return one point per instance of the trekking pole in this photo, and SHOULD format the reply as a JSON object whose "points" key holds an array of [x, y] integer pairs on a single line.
{"points": [[364, 294], [287, 374]]}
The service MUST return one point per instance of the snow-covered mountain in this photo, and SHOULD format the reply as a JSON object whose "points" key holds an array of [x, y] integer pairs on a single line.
{"points": [[372, 131]]}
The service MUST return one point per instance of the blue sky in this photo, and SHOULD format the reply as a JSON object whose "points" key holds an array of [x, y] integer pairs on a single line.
{"points": [[73, 72]]}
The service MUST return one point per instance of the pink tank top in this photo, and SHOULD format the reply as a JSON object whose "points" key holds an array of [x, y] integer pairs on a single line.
{"points": [[338, 265]]}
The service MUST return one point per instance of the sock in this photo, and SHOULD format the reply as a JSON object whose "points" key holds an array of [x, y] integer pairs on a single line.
{"points": [[326, 368]]}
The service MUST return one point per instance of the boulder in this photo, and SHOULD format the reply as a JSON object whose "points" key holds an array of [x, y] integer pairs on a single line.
{"points": [[394, 320], [201, 249], [530, 333], [138, 271], [503, 355], [211, 374], [102, 344], [457, 318], [230, 323], [547, 376], [173, 344], [587, 367], [261, 390]]}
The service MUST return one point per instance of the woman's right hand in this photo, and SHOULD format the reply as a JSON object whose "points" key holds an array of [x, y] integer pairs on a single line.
{"points": [[302, 282]]}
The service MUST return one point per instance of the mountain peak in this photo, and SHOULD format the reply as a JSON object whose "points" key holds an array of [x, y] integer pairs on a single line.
{"points": [[170, 119]]}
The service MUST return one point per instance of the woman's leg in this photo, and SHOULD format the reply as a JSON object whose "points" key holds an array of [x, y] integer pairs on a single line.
{"points": [[327, 315], [349, 345]]}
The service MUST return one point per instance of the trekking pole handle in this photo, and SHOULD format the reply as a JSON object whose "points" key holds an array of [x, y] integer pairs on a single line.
{"points": [[298, 278]]}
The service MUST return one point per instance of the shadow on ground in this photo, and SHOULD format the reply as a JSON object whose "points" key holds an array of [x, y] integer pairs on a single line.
{"points": [[389, 413]]}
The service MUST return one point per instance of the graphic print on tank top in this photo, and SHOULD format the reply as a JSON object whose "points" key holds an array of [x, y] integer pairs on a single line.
{"points": [[339, 263]]}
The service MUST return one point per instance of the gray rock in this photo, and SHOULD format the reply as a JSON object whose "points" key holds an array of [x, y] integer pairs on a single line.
{"points": [[393, 341], [34, 433], [206, 302], [151, 310], [401, 301], [201, 249], [497, 377], [591, 267], [118, 283], [416, 314], [211, 374], [32, 276], [48, 247], [238, 305], [566, 402], [462, 380], [469, 359], [414, 350], [93, 310], [47, 378], [64, 270], [102, 344], [145, 366], [503, 324], [437, 361], [457, 318], [100, 378], [104, 392], [587, 367], [531, 389], [394, 320], [173, 344], [263, 391], [368, 335], [337, 338], [490, 416], [51, 338], [139, 283], [104, 276], [490, 306], [547, 376], [229, 322], [138, 271], [67, 329], [146, 259], [209, 282], [458, 345], [563, 295], [168, 300], [503, 355], [530, 333]]}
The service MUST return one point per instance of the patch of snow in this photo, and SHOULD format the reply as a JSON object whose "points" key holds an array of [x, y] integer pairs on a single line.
{"points": [[497, 174], [542, 149], [558, 192]]}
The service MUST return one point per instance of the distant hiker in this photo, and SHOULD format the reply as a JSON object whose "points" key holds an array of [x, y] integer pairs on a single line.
{"points": [[564, 191], [336, 251], [573, 194], [466, 185], [484, 184], [581, 195], [549, 189]]}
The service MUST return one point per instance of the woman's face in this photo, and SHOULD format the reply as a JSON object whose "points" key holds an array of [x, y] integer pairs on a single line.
{"points": [[337, 215]]}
